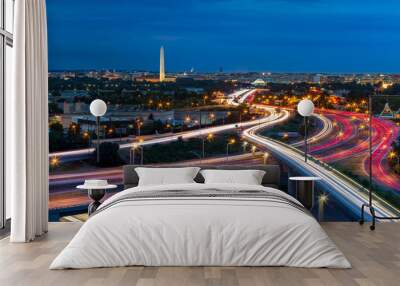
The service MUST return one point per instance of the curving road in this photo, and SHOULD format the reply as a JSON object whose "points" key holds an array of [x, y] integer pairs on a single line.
{"points": [[388, 132], [353, 142], [326, 130], [347, 191]]}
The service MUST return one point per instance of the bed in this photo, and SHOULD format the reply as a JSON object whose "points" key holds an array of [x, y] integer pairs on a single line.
{"points": [[197, 224]]}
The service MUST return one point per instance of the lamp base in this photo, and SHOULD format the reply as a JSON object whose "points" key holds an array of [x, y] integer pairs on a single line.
{"points": [[374, 216], [96, 196]]}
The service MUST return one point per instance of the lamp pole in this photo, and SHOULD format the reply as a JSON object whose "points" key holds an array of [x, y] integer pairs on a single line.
{"points": [[230, 142], [266, 156], [305, 138], [139, 125], [203, 147], [141, 155], [133, 151], [98, 138], [305, 108], [244, 146], [370, 197], [208, 137], [253, 150], [98, 108], [199, 119], [370, 148]]}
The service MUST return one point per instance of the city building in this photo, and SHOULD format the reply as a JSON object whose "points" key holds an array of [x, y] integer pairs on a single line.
{"points": [[259, 82], [317, 78]]}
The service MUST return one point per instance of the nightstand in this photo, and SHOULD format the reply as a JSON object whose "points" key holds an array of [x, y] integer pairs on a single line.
{"points": [[96, 191], [305, 190]]}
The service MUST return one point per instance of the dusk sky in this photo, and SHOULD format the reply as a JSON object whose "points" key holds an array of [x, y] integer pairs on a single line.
{"points": [[237, 35]]}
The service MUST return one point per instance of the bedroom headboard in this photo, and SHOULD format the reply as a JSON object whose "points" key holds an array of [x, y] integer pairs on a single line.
{"points": [[272, 177]]}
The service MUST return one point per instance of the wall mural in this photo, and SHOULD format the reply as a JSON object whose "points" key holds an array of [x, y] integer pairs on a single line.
{"points": [[191, 117]]}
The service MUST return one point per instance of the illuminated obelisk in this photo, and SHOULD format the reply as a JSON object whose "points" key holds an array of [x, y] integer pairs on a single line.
{"points": [[162, 67]]}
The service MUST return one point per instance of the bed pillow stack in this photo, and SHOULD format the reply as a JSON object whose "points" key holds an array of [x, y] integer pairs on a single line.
{"points": [[247, 177], [166, 176]]}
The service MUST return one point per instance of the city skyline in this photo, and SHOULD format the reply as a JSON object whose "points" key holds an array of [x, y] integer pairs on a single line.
{"points": [[275, 36]]}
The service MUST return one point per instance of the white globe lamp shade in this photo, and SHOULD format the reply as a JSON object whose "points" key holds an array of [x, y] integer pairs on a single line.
{"points": [[98, 107], [305, 107]]}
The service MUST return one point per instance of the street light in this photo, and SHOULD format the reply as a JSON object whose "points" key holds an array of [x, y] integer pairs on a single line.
{"points": [[141, 151], [393, 155], [305, 108], [322, 201], [212, 117], [139, 124], [85, 135], [230, 142], [253, 150], [98, 108], [133, 151], [54, 161], [265, 156], [245, 143], [209, 137]]}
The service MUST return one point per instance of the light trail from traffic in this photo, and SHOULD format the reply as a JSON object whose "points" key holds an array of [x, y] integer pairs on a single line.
{"points": [[380, 174], [83, 153], [344, 188], [327, 128], [345, 134], [65, 195], [384, 132]]}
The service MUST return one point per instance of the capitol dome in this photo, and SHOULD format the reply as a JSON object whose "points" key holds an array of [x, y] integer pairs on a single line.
{"points": [[259, 81]]}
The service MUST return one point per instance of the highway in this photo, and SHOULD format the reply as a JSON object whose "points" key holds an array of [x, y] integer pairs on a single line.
{"points": [[327, 128], [351, 142], [348, 142], [80, 154], [64, 194], [344, 189], [389, 132], [240, 96]]}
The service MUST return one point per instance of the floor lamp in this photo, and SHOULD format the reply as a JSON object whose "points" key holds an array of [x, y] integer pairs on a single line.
{"points": [[98, 108], [370, 201], [305, 108]]}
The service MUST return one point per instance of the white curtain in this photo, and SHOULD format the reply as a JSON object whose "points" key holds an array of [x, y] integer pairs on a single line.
{"points": [[27, 123]]}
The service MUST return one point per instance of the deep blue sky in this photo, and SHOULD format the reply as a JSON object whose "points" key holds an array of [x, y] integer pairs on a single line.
{"points": [[238, 35]]}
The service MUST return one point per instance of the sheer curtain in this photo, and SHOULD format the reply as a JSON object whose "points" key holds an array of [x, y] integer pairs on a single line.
{"points": [[27, 123]]}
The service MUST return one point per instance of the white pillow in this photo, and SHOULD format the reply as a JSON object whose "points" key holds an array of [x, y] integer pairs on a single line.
{"points": [[166, 176], [248, 177]]}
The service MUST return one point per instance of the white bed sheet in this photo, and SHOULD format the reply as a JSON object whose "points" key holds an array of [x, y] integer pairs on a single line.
{"points": [[200, 232]]}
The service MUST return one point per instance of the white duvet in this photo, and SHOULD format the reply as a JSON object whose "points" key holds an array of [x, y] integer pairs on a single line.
{"points": [[200, 231]]}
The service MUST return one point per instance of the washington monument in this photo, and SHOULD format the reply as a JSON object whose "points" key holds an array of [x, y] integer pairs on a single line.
{"points": [[162, 67]]}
